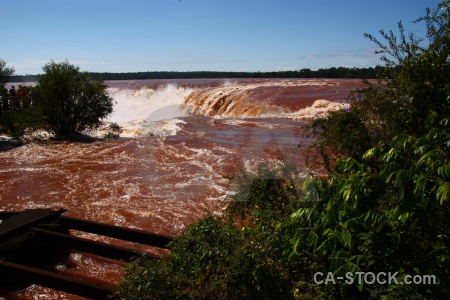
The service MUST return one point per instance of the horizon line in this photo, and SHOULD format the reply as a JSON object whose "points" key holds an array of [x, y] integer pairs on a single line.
{"points": [[204, 71]]}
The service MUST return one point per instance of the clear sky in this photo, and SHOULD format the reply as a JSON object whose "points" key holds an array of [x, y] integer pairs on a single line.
{"points": [[198, 35]]}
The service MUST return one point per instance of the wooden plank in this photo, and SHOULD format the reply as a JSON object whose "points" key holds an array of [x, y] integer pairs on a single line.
{"points": [[9, 245], [89, 246], [46, 228], [56, 281], [7, 214], [133, 235], [127, 234], [26, 219]]}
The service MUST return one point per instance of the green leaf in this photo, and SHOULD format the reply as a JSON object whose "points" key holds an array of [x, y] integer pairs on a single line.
{"points": [[403, 217], [402, 177], [444, 122], [347, 164], [346, 238], [434, 133], [342, 263], [444, 171], [332, 213], [312, 239], [370, 153], [388, 170], [330, 243], [442, 193], [419, 187]]}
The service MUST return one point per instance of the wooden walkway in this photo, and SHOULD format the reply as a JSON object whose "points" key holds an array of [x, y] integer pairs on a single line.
{"points": [[32, 236]]}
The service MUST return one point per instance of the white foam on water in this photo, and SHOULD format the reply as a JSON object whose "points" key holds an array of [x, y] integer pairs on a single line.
{"points": [[142, 127], [147, 111], [142, 103], [228, 82], [319, 109]]}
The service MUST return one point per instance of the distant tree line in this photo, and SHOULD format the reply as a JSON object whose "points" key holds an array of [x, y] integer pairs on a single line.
{"points": [[341, 72]]}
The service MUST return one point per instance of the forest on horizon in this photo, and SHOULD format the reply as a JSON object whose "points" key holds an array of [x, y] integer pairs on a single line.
{"points": [[340, 72]]}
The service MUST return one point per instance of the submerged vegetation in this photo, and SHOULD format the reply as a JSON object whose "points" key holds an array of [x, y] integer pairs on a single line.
{"points": [[382, 209]]}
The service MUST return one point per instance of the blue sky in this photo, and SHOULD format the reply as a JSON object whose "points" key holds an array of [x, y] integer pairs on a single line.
{"points": [[198, 35]]}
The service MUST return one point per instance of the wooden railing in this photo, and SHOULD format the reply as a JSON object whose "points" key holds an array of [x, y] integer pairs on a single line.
{"points": [[30, 237], [15, 103]]}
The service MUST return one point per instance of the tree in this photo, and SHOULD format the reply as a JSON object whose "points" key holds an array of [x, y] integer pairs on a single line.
{"points": [[384, 206], [5, 72], [70, 101], [412, 86]]}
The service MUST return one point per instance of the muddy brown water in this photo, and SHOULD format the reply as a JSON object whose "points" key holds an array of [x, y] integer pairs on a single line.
{"points": [[161, 175]]}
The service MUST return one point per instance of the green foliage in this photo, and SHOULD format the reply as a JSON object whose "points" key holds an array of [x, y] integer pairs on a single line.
{"points": [[387, 212], [212, 259], [5, 73], [65, 101], [272, 191], [342, 132], [114, 130], [13, 125], [17, 123], [69, 100], [411, 89], [340, 72], [9, 124]]}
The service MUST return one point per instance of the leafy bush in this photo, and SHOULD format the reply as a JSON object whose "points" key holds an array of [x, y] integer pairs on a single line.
{"points": [[342, 132], [388, 211], [16, 123], [211, 260], [69, 100]]}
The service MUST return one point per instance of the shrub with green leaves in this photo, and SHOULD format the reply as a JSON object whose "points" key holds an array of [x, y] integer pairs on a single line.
{"points": [[70, 101], [385, 212], [16, 123], [211, 260]]}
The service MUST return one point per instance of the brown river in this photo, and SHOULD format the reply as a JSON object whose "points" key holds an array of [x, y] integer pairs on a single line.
{"points": [[180, 139]]}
